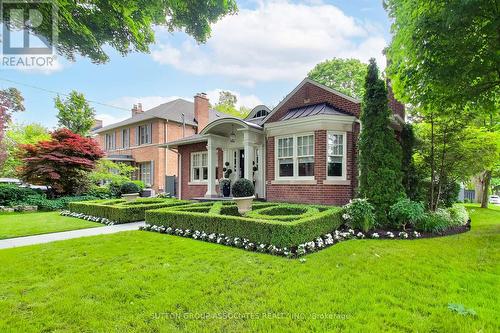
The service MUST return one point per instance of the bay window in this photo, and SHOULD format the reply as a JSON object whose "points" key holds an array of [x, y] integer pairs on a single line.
{"points": [[295, 157], [336, 155], [199, 167]]}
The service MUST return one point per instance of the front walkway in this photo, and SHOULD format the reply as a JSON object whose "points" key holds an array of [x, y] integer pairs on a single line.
{"points": [[57, 236]]}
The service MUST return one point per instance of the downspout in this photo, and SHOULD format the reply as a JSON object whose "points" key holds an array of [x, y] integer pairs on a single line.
{"points": [[356, 171], [179, 160]]}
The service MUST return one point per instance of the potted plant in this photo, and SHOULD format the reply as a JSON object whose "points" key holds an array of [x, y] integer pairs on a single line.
{"points": [[129, 191], [243, 194], [225, 183]]}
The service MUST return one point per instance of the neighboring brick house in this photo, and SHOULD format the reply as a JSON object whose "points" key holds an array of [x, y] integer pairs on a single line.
{"points": [[304, 150], [137, 140]]}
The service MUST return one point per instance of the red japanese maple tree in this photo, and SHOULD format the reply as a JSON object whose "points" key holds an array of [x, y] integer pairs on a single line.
{"points": [[61, 163]]}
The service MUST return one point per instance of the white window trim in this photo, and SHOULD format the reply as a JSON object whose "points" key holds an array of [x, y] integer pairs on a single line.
{"points": [[126, 138], [344, 157], [191, 168], [294, 157]]}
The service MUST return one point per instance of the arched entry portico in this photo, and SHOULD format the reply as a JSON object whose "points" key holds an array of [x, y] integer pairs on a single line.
{"points": [[242, 144]]}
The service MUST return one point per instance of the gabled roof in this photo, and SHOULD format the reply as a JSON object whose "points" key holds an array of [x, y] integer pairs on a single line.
{"points": [[313, 110], [300, 85], [169, 111]]}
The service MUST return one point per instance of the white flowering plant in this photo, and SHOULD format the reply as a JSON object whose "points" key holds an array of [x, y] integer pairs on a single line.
{"points": [[359, 214]]}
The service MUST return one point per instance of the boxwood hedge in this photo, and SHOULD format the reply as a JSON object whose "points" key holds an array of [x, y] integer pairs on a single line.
{"points": [[121, 211], [223, 218]]}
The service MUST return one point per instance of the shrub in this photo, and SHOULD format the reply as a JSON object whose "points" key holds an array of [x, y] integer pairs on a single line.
{"points": [[359, 214], [437, 221], [51, 204], [100, 192], [121, 211], [282, 212], [140, 184], [405, 212], [13, 193], [273, 232], [129, 188], [458, 215], [243, 188]]}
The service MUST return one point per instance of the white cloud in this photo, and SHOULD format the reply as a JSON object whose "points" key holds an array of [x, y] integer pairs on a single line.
{"points": [[278, 40], [56, 66]]}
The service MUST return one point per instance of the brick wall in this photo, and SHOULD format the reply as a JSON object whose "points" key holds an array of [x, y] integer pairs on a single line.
{"points": [[318, 193], [165, 162]]}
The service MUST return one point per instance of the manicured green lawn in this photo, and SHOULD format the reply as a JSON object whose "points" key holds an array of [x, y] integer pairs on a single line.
{"points": [[26, 224], [134, 281]]}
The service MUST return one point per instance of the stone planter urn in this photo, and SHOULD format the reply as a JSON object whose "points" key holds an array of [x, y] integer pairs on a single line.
{"points": [[244, 204], [243, 195], [130, 196]]}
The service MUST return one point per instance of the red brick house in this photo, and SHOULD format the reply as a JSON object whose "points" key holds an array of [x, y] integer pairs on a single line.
{"points": [[304, 150], [137, 139]]}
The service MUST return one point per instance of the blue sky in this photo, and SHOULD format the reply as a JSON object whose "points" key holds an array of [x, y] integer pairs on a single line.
{"points": [[260, 54]]}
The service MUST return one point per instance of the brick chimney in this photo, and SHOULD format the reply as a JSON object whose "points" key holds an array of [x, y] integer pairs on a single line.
{"points": [[137, 109], [97, 124], [395, 106], [201, 106]]}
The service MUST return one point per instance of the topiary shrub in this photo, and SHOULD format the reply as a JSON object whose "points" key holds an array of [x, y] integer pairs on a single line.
{"points": [[129, 188], [406, 212], [359, 214], [243, 188]]}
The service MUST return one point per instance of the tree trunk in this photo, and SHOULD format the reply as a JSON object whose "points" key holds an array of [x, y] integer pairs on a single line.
{"points": [[431, 201], [486, 187]]}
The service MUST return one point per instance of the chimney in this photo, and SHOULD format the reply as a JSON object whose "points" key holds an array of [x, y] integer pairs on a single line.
{"points": [[201, 110], [97, 124], [137, 109]]}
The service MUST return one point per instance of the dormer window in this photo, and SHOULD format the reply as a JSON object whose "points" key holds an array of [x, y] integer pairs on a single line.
{"points": [[260, 113]]}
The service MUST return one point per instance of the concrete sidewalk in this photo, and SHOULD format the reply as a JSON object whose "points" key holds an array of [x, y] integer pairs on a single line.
{"points": [[57, 236]]}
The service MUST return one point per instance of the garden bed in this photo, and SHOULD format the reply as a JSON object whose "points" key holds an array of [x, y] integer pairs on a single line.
{"points": [[115, 211]]}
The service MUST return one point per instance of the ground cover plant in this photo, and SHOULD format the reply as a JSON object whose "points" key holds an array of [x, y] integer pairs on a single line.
{"points": [[148, 282], [115, 211], [27, 224]]}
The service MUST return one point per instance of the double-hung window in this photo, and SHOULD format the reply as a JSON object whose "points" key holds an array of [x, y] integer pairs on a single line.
{"points": [[145, 173], [199, 167], [295, 157], [144, 134], [126, 138], [336, 155], [109, 141]]}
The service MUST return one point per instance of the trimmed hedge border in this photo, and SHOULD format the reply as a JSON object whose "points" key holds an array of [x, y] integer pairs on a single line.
{"points": [[121, 211], [219, 218]]}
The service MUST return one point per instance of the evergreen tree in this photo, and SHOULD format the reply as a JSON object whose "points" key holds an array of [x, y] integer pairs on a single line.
{"points": [[410, 173], [380, 178]]}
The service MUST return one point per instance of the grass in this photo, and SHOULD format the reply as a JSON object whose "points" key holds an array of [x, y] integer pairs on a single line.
{"points": [[150, 282], [27, 224]]}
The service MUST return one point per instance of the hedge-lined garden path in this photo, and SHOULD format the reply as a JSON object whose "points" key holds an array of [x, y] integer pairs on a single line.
{"points": [[57, 236]]}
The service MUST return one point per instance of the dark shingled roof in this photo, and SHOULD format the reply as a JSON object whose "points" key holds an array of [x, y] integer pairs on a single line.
{"points": [[172, 111], [313, 110]]}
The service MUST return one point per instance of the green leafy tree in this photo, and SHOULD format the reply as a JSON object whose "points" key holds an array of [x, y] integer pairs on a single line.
{"points": [[227, 104], [107, 171], [11, 101], [453, 149], [445, 52], [344, 75], [18, 135], [410, 174], [75, 113], [85, 28], [380, 178]]}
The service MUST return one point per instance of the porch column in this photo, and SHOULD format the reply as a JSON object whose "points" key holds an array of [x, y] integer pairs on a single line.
{"points": [[249, 156], [212, 162]]}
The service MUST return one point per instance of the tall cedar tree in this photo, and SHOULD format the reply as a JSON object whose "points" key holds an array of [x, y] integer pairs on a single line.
{"points": [[62, 163], [380, 154]]}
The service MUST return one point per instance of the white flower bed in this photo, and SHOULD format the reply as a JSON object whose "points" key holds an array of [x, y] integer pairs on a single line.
{"points": [[300, 250], [91, 218]]}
